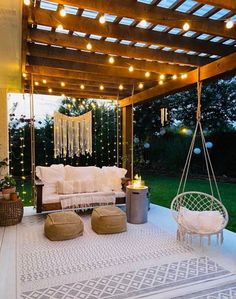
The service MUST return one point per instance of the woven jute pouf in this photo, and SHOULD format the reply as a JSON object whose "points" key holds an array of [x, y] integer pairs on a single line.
{"points": [[63, 226], [108, 220]]}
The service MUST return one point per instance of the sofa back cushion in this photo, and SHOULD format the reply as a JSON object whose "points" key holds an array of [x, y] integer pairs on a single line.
{"points": [[113, 175], [80, 173], [46, 173]]}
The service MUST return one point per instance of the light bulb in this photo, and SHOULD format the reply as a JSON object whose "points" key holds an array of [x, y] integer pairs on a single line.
{"points": [[102, 20], [121, 87], [27, 2], [147, 74], [62, 84], [62, 95], [174, 77], [131, 68], [111, 59], [60, 27], [82, 86], [184, 76], [162, 77], [62, 12], [50, 90], [44, 81], [89, 46], [101, 87], [140, 86], [36, 83], [24, 75], [161, 82], [186, 26], [229, 24]]}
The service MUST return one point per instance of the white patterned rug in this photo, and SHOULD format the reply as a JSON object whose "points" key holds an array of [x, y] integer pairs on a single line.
{"points": [[144, 260]]}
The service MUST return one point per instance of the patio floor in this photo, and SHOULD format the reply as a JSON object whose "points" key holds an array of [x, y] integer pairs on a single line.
{"points": [[225, 255]]}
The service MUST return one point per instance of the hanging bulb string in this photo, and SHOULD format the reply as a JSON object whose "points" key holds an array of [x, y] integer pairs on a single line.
{"points": [[117, 129]]}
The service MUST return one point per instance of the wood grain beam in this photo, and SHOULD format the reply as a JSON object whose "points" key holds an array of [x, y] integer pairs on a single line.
{"points": [[53, 72], [90, 26], [215, 69], [154, 15], [64, 40], [228, 4], [92, 58], [91, 68]]}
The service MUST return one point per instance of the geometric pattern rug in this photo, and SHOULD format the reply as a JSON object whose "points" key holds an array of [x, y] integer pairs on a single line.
{"points": [[143, 261]]}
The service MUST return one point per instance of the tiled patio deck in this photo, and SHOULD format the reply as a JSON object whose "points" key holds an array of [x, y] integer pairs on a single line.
{"points": [[225, 255]]}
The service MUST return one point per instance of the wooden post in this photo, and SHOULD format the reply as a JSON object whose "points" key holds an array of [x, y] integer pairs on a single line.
{"points": [[4, 147], [127, 142]]}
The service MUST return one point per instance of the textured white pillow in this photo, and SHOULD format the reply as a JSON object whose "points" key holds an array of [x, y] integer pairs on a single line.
{"points": [[204, 222], [39, 169], [80, 173], [52, 174], [65, 187], [113, 177], [85, 186]]}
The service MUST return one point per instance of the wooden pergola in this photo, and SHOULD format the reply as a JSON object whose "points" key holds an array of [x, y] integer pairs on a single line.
{"points": [[158, 47]]}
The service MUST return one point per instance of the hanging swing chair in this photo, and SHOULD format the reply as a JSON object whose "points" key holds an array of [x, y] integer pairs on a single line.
{"points": [[197, 213]]}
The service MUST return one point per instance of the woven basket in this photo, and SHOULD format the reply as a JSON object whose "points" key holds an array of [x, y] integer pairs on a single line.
{"points": [[11, 212]]}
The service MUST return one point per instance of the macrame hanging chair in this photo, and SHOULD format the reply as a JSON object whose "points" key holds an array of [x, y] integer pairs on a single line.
{"points": [[197, 213]]}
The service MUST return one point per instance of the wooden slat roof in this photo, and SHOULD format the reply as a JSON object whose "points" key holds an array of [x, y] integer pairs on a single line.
{"points": [[145, 34]]}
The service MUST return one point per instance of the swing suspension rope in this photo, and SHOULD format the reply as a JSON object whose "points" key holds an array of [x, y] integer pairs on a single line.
{"points": [[209, 167]]}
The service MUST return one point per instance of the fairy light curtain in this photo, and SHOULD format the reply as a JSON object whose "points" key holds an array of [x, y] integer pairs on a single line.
{"points": [[72, 135]]}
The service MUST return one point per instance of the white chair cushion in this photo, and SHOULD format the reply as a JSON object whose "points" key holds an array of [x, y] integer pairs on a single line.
{"points": [[204, 222], [65, 187], [46, 174], [85, 186], [80, 173], [113, 176]]}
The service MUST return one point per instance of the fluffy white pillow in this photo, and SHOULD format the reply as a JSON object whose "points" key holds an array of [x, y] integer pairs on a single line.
{"points": [[204, 222], [80, 173], [39, 169], [65, 187], [113, 177], [85, 186], [52, 174]]}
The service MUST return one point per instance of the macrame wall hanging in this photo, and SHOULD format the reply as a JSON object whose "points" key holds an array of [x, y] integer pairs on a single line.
{"points": [[72, 135]]}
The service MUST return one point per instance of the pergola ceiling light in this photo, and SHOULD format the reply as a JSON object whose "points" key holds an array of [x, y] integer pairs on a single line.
{"points": [[143, 23], [111, 59], [101, 87], [186, 26], [161, 82], [229, 24], [60, 27], [140, 86], [82, 86], [24, 75], [62, 94], [73, 99], [44, 81], [121, 87], [131, 68], [147, 74], [162, 76], [184, 76], [62, 12], [63, 84], [89, 46], [27, 2], [36, 83], [50, 90], [102, 20], [174, 77]]}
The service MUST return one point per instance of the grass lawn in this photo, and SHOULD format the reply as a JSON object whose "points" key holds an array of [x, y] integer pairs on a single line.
{"points": [[163, 190]]}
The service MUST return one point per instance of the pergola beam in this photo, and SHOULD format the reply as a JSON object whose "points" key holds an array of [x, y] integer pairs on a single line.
{"points": [[97, 59], [215, 69], [154, 15], [65, 40], [228, 4], [90, 26]]}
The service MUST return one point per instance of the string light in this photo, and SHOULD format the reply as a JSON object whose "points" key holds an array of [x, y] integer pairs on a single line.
{"points": [[174, 77], [140, 86], [121, 87], [24, 75], [73, 99], [161, 82], [63, 84], [60, 27], [111, 59], [229, 24], [147, 74], [62, 95], [186, 26], [27, 2], [101, 87], [36, 83], [184, 76], [162, 77], [50, 90], [82, 86], [131, 68], [89, 46], [62, 12], [102, 20], [44, 81]]}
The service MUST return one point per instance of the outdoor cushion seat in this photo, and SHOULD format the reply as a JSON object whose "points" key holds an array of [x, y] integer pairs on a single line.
{"points": [[108, 220], [63, 226]]}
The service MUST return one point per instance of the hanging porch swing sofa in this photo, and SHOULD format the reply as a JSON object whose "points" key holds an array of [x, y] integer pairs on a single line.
{"points": [[67, 187]]}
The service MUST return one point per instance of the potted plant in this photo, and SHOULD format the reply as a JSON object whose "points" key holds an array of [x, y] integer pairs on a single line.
{"points": [[8, 186]]}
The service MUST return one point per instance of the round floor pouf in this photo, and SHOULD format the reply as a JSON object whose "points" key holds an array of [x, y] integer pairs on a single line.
{"points": [[63, 226], [108, 220]]}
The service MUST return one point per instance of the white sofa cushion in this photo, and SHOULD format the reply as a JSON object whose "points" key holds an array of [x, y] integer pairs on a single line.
{"points": [[80, 173], [204, 222], [85, 186], [113, 176], [40, 169], [65, 187]]}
